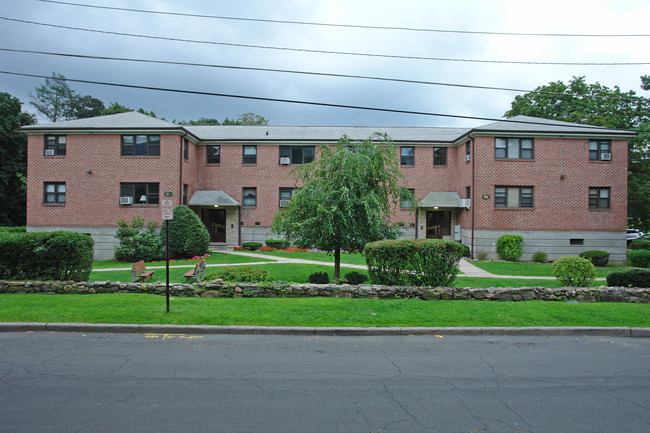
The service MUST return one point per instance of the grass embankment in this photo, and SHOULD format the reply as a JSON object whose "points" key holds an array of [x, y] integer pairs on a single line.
{"points": [[531, 269], [318, 312]]}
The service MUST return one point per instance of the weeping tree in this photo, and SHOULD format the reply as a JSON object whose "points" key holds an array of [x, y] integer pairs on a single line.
{"points": [[345, 198]]}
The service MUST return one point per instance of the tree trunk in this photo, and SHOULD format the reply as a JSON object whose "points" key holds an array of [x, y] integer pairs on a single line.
{"points": [[337, 263]]}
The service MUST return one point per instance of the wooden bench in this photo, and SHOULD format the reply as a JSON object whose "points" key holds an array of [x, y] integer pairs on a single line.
{"points": [[196, 273], [140, 272]]}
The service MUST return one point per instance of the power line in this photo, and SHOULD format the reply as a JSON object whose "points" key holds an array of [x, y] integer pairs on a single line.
{"points": [[326, 51], [260, 98], [354, 26], [325, 74]]}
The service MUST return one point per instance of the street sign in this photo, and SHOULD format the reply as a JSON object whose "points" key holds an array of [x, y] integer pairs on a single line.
{"points": [[167, 209], [167, 193]]}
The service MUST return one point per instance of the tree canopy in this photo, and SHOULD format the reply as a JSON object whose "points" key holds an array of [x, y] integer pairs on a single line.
{"points": [[13, 160], [250, 119], [57, 101], [595, 104], [345, 198]]}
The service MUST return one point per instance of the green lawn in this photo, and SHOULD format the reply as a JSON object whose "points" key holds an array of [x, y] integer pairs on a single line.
{"points": [[531, 269], [215, 258], [349, 258], [150, 309]]}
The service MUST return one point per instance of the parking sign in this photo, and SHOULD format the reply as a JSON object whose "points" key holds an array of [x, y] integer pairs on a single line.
{"points": [[167, 209]]}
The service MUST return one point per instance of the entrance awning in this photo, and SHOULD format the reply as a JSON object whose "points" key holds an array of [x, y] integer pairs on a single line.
{"points": [[212, 198], [443, 199]]}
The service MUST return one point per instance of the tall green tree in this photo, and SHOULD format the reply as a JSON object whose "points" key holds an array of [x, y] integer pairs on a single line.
{"points": [[345, 198], [13, 160], [595, 104], [83, 107], [53, 98]]}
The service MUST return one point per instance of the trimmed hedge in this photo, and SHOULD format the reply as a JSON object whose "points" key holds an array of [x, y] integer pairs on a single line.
{"points": [[640, 244], [319, 278], [188, 237], [574, 271], [629, 278], [418, 262], [277, 244], [46, 256], [639, 258], [510, 247], [251, 246], [598, 258]]}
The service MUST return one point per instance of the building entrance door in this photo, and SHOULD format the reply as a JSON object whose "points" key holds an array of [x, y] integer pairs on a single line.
{"points": [[438, 224], [215, 221]]}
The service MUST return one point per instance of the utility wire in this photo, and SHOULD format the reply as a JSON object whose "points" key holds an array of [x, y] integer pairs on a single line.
{"points": [[325, 74], [290, 101], [325, 51], [354, 26]]}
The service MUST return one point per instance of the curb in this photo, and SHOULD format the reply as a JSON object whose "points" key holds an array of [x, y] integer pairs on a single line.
{"points": [[326, 331]]}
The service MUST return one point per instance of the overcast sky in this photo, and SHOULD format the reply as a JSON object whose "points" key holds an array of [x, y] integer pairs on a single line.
{"points": [[517, 16]]}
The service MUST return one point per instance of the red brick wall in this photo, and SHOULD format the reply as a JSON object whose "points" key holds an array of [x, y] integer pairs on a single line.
{"points": [[559, 204], [92, 199]]}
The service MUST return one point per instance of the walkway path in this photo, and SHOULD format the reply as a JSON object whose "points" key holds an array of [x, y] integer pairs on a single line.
{"points": [[465, 266]]}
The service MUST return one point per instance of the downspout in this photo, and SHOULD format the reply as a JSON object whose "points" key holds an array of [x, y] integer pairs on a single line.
{"points": [[473, 193], [180, 170]]}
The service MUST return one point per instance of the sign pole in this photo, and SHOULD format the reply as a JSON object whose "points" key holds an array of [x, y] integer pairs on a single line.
{"points": [[167, 214]]}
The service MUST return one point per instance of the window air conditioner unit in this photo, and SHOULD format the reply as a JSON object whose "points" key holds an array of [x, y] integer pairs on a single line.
{"points": [[283, 203], [468, 157], [49, 152], [126, 200], [465, 202], [605, 156], [285, 160]]}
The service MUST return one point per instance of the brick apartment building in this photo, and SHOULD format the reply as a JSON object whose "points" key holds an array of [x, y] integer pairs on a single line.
{"points": [[562, 186]]}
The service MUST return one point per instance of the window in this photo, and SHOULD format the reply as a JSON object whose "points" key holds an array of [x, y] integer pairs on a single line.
{"points": [[599, 198], [250, 155], [185, 192], [296, 154], [285, 196], [468, 192], [54, 192], [140, 145], [439, 156], [600, 150], [140, 193], [513, 148], [55, 145], [186, 149], [407, 155], [407, 200], [213, 154], [250, 197], [513, 197], [468, 148]]}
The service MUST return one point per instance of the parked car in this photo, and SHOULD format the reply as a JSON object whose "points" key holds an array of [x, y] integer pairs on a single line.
{"points": [[633, 234]]}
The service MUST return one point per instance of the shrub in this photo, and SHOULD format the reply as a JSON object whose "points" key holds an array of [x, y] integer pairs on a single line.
{"points": [[137, 242], [46, 255], [466, 251], [319, 278], [419, 262], [355, 278], [251, 246], [540, 257], [639, 258], [7, 230], [640, 244], [629, 278], [482, 255], [277, 244], [240, 274], [598, 258], [510, 247], [188, 237], [574, 271]]}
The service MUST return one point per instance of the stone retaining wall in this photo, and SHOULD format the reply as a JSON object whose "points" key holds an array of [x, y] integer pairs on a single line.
{"points": [[218, 289]]}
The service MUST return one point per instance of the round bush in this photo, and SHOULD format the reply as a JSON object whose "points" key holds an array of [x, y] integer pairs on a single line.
{"points": [[355, 278], [639, 258], [466, 250], [640, 244], [574, 271], [188, 237], [540, 257], [598, 258], [629, 278], [319, 278], [251, 246], [510, 247], [277, 244]]}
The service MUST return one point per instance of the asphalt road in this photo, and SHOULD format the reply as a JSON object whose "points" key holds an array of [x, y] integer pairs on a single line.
{"points": [[76, 382]]}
